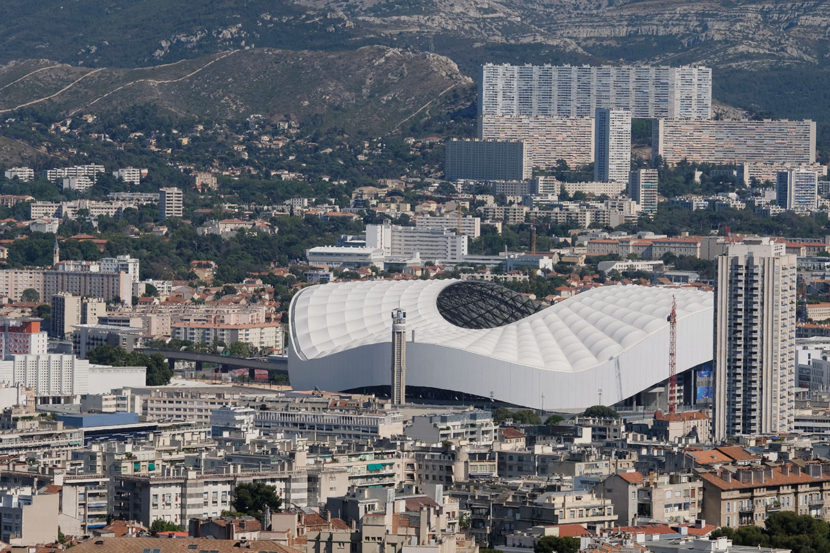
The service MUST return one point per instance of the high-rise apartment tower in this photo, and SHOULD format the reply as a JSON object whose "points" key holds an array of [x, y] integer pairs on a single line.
{"points": [[755, 317], [797, 189], [576, 91], [642, 188], [171, 202], [612, 149]]}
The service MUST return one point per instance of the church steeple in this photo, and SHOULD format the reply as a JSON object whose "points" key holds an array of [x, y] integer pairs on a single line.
{"points": [[56, 254]]}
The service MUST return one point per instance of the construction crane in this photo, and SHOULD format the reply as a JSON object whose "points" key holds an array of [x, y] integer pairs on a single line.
{"points": [[672, 318]]}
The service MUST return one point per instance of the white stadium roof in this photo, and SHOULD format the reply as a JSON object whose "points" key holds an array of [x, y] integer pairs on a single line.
{"points": [[603, 345]]}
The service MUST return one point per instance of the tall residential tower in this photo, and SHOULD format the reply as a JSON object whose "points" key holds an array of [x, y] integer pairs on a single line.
{"points": [[612, 150], [797, 190], [755, 316]]}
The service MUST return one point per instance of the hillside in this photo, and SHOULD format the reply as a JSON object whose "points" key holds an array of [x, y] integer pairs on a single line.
{"points": [[370, 90], [768, 56], [734, 33]]}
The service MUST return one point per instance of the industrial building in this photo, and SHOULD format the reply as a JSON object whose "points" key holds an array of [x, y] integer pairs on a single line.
{"points": [[602, 346]]}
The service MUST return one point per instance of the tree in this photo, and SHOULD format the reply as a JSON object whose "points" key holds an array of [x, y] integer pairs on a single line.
{"points": [[554, 420], [151, 291], [160, 525], [522, 416], [159, 372], [553, 544], [601, 411], [30, 295], [783, 530], [252, 498]]}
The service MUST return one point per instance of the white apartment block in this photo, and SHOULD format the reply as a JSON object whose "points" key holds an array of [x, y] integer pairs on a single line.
{"points": [[92, 171], [471, 426], [345, 426], [431, 244], [54, 377], [21, 337], [755, 358], [260, 335], [547, 139], [70, 209], [612, 151], [119, 264], [131, 175], [461, 224], [549, 185], [735, 142], [171, 202], [574, 91], [510, 214], [642, 188], [23, 174], [78, 184], [797, 190], [344, 256]]}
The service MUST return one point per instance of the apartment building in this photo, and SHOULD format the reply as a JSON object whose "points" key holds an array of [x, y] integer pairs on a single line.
{"points": [[78, 184], [21, 337], [461, 224], [612, 147], [486, 160], [131, 175], [546, 139], [755, 316], [472, 426], [263, 335], [735, 142], [431, 244], [672, 498], [797, 190], [510, 214], [748, 496], [23, 174], [91, 171], [344, 426], [573, 91], [171, 202], [549, 185], [28, 517], [642, 188]]}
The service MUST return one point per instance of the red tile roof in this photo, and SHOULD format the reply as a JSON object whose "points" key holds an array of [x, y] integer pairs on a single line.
{"points": [[737, 453], [571, 530], [631, 477]]}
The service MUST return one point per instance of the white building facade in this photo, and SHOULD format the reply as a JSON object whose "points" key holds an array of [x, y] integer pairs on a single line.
{"points": [[755, 357]]}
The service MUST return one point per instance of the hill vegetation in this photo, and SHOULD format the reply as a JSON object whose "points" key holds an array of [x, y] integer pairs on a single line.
{"points": [[373, 89]]}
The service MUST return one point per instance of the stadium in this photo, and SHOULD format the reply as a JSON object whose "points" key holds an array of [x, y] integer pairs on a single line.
{"points": [[602, 346]]}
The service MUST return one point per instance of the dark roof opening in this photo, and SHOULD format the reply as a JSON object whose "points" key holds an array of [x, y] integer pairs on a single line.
{"points": [[476, 304]]}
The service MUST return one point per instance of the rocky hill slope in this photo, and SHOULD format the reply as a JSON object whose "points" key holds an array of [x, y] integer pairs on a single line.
{"points": [[371, 89], [739, 33]]}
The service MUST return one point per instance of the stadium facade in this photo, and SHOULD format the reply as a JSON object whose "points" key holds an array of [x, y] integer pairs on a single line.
{"points": [[602, 346]]}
